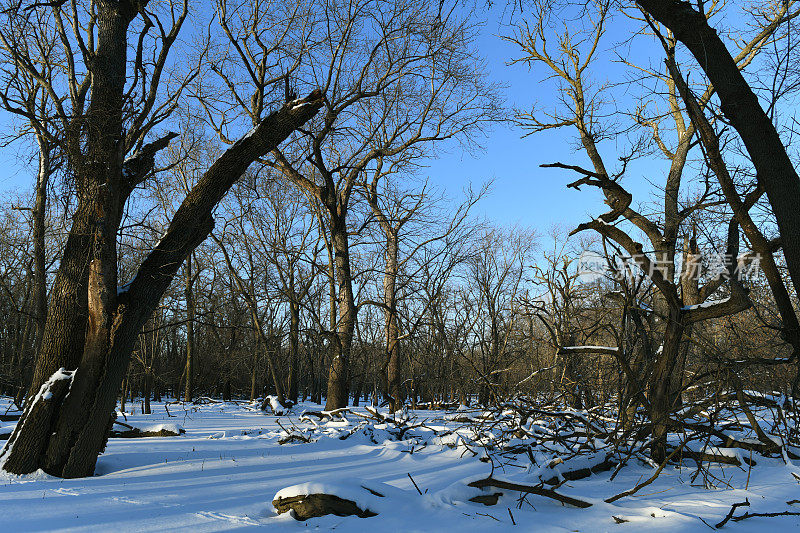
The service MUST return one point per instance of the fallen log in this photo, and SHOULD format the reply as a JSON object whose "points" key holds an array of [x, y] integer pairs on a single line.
{"points": [[580, 473], [322, 415], [728, 441], [705, 457], [132, 432], [532, 489]]}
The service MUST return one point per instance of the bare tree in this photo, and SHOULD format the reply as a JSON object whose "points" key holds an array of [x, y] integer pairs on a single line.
{"points": [[392, 90], [25, 97], [496, 276], [680, 301], [90, 324], [408, 225]]}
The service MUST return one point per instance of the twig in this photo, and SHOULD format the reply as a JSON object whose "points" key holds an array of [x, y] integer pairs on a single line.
{"points": [[415, 483], [735, 506], [652, 478]]}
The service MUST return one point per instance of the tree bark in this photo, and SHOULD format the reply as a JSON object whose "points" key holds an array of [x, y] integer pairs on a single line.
{"points": [[190, 312], [338, 378], [39, 227], [394, 378], [663, 388]]}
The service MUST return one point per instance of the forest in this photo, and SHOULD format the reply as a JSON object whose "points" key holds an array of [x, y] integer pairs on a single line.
{"points": [[229, 237]]}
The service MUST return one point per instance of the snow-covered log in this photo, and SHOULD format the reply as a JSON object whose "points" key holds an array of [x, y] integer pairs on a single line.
{"points": [[310, 500]]}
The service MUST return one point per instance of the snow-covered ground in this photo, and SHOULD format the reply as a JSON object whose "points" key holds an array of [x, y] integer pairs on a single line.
{"points": [[224, 472]]}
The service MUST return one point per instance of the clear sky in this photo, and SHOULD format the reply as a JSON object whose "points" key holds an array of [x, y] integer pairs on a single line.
{"points": [[523, 193]]}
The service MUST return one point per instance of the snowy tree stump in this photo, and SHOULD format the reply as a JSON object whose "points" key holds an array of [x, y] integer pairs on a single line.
{"points": [[313, 505]]}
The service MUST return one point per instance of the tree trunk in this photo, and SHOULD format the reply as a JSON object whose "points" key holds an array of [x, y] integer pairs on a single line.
{"points": [[188, 293], [664, 387], [39, 226], [81, 327], [393, 376], [338, 378], [294, 346]]}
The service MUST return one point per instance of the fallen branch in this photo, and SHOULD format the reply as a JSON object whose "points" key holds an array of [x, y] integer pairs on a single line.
{"points": [[132, 432], [735, 506], [539, 491], [652, 478], [580, 473]]}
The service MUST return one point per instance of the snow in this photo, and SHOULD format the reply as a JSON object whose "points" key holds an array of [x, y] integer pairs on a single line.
{"points": [[45, 390], [275, 405], [590, 347], [224, 472], [250, 132], [704, 305]]}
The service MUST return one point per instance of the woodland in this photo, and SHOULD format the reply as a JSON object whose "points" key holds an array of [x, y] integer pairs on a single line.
{"points": [[228, 215]]}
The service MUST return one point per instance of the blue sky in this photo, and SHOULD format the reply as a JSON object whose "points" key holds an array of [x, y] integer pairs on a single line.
{"points": [[522, 192]]}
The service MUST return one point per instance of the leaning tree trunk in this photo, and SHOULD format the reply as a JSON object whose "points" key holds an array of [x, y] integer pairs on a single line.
{"points": [[90, 326]]}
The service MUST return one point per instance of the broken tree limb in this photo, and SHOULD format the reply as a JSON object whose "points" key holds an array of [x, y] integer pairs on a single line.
{"points": [[706, 457], [132, 432], [531, 489]]}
